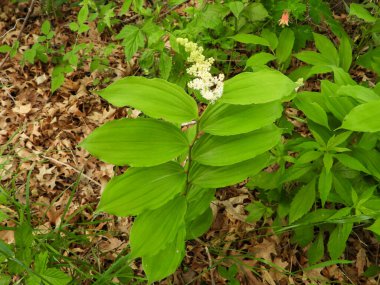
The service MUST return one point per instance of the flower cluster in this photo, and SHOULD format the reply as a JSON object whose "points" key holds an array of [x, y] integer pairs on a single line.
{"points": [[284, 21], [210, 87]]}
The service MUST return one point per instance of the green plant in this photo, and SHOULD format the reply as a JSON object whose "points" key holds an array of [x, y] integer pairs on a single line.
{"points": [[177, 158], [328, 180]]}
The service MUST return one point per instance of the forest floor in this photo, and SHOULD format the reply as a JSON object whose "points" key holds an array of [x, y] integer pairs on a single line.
{"points": [[39, 136]]}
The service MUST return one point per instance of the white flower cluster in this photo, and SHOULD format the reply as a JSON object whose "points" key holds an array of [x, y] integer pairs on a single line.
{"points": [[210, 87]]}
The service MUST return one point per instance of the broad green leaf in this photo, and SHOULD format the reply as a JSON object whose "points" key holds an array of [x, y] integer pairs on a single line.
{"points": [[165, 66], [271, 37], [339, 139], [375, 227], [359, 11], [338, 106], [255, 88], [225, 119], [46, 26], [362, 118], [250, 39], [313, 58], [326, 48], [313, 111], [350, 162], [236, 7], [136, 142], [154, 230], [198, 201], [165, 262], [200, 225], [56, 277], [259, 59], [308, 157], [302, 202], [140, 189], [256, 12], [324, 185], [285, 45], [338, 239], [342, 77], [157, 98], [303, 235], [316, 250], [221, 176], [345, 53], [359, 93], [221, 151]]}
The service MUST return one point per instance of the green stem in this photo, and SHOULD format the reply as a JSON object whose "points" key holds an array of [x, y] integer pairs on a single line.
{"points": [[187, 188]]}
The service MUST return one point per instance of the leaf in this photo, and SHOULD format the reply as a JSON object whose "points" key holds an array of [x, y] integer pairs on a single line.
{"points": [[136, 142], [221, 151], [351, 162], [256, 88], [154, 230], [250, 39], [327, 263], [57, 78], [157, 98], [56, 277], [166, 261], [198, 201], [285, 45], [326, 48], [259, 59], [338, 106], [375, 227], [312, 57], [316, 250], [133, 38], [140, 189], [165, 65], [359, 11], [338, 239], [83, 14], [324, 185], [361, 118], [313, 111], [359, 93], [256, 12], [345, 53], [225, 119], [200, 225], [372, 271], [45, 28], [302, 202], [256, 211], [236, 8], [216, 177]]}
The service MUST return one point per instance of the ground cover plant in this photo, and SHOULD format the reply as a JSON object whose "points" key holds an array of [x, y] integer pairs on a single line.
{"points": [[189, 142]]}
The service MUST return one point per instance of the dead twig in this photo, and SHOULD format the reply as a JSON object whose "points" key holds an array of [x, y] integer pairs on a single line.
{"points": [[210, 265], [31, 6], [72, 168]]}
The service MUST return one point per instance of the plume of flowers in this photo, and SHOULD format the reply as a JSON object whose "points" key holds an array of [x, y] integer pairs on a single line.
{"points": [[210, 87]]}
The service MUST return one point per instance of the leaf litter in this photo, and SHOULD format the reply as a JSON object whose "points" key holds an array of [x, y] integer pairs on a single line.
{"points": [[40, 131]]}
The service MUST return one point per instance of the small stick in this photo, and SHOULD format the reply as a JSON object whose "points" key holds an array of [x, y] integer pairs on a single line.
{"points": [[22, 29], [72, 168], [210, 265]]}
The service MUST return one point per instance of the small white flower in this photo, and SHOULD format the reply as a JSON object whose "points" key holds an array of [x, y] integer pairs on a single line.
{"points": [[299, 83], [210, 87]]}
